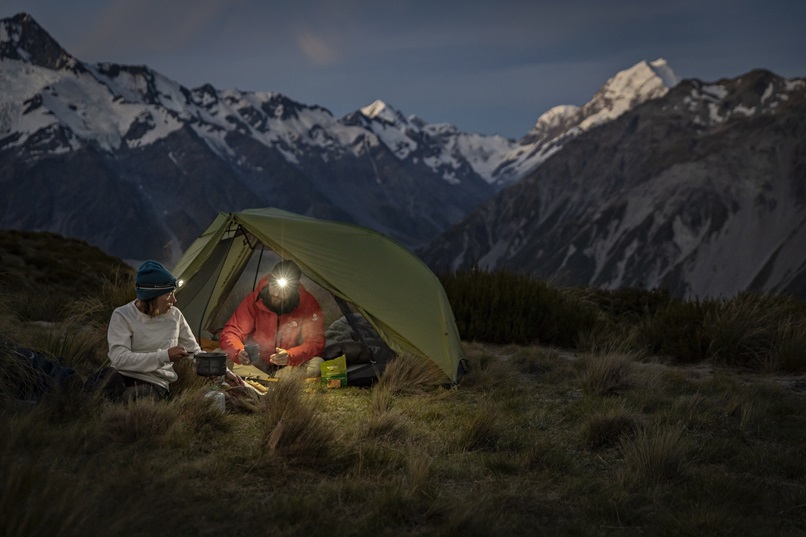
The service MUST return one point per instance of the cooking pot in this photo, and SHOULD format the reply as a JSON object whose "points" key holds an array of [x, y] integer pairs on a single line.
{"points": [[211, 364]]}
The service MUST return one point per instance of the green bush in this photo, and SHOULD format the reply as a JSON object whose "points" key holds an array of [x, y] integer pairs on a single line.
{"points": [[505, 307], [630, 304], [750, 330], [676, 330]]}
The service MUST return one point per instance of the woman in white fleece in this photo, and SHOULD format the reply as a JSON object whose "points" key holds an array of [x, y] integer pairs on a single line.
{"points": [[148, 335]]}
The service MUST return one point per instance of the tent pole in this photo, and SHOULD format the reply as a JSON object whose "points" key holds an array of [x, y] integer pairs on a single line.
{"points": [[345, 309], [257, 269]]}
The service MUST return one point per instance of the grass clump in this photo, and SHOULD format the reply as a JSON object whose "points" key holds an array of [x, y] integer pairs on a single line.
{"points": [[607, 373], [607, 425], [525, 310], [696, 438], [752, 330], [294, 429], [654, 456]]}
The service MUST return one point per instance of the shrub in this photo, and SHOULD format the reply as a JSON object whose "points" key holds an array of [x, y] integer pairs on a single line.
{"points": [[630, 304], [748, 330], [676, 330], [788, 351], [505, 307]]}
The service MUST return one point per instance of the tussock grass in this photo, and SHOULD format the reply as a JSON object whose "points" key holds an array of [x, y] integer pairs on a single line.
{"points": [[408, 373], [788, 347], [482, 431], [419, 471], [607, 372], [38, 500], [741, 330], [435, 461], [114, 289], [188, 379], [381, 399], [607, 425], [654, 416], [694, 411], [761, 332], [654, 456], [389, 424], [525, 310], [486, 370], [85, 345], [145, 421], [476, 516], [50, 304], [295, 430], [537, 360]]}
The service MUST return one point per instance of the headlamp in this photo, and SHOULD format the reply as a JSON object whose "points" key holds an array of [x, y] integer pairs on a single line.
{"points": [[281, 283], [160, 286]]}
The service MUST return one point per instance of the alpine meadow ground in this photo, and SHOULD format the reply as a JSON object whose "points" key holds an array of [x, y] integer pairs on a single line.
{"points": [[606, 413]]}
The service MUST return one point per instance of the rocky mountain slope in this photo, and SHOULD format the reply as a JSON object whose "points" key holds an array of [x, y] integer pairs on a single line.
{"points": [[135, 163], [701, 191], [131, 161], [627, 89]]}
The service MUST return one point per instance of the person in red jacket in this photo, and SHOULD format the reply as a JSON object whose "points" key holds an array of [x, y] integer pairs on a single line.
{"points": [[284, 319]]}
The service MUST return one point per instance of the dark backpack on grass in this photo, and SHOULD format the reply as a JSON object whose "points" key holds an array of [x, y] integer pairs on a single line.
{"points": [[29, 375]]}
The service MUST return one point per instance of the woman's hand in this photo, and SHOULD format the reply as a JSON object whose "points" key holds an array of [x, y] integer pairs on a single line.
{"points": [[233, 379], [177, 353]]}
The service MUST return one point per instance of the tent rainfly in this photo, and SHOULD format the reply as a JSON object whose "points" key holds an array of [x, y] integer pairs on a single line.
{"points": [[392, 288]]}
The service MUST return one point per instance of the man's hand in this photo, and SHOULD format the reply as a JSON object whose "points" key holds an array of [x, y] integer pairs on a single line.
{"points": [[280, 357], [243, 357]]}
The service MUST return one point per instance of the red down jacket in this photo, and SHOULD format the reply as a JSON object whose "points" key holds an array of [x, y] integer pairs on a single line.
{"points": [[301, 331]]}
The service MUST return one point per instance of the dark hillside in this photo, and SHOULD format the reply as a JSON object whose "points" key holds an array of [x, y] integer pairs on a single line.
{"points": [[69, 267]]}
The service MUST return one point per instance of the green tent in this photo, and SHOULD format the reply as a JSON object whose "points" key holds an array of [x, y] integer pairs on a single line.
{"points": [[392, 288]]}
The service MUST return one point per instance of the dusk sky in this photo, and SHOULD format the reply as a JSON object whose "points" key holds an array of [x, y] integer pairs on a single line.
{"points": [[488, 67]]}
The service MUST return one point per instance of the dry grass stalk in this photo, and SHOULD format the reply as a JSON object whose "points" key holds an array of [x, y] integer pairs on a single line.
{"points": [[419, 471]]}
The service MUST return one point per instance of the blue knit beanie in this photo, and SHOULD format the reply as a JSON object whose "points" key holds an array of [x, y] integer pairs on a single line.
{"points": [[153, 280]]}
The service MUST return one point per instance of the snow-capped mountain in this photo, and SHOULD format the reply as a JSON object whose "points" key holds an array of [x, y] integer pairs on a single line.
{"points": [[655, 182], [626, 90], [501, 161], [131, 161], [442, 147], [107, 147], [701, 191]]}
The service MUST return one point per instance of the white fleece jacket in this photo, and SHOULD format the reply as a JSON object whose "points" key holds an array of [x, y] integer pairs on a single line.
{"points": [[138, 344]]}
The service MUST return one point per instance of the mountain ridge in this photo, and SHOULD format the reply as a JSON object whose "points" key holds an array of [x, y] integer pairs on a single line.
{"points": [[247, 149], [700, 192], [608, 193], [179, 155]]}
